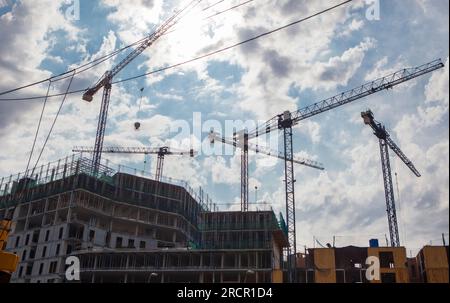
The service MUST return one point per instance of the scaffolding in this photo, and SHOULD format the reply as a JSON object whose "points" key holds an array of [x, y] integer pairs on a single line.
{"points": [[239, 230], [164, 221], [57, 177], [177, 266]]}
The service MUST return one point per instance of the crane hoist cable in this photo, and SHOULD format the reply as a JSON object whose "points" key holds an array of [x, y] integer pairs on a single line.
{"points": [[31, 154], [229, 9], [137, 124], [27, 173], [180, 25], [140, 99], [9, 214], [213, 5], [146, 160], [39, 125], [400, 210], [54, 122]]}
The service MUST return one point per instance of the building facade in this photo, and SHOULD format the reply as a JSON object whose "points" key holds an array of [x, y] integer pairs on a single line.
{"points": [[430, 265], [125, 228], [348, 265]]}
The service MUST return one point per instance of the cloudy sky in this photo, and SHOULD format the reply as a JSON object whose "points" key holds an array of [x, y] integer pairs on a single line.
{"points": [[284, 71]]}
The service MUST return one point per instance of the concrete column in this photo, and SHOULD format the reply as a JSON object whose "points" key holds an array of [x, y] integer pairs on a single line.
{"points": [[141, 189], [58, 202], [43, 218], [28, 216], [110, 225], [56, 210], [71, 200], [46, 205], [69, 215]]}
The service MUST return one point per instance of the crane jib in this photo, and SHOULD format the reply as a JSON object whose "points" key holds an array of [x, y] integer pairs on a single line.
{"points": [[364, 91], [352, 95]]}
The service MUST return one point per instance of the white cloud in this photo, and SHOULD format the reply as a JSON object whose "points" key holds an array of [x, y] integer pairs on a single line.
{"points": [[134, 17], [354, 26], [437, 89], [339, 70], [310, 129], [221, 172]]}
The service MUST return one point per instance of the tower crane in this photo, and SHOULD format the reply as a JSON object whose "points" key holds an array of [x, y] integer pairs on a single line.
{"points": [[161, 152], [287, 120], [106, 80], [242, 143], [386, 143]]}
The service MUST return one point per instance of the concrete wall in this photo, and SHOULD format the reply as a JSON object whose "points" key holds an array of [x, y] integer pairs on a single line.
{"points": [[400, 268], [436, 264], [325, 266]]}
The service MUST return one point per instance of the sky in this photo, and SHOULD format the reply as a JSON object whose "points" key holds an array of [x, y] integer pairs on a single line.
{"points": [[287, 70]]}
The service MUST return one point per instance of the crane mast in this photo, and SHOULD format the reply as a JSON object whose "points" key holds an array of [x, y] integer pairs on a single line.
{"points": [[244, 174], [287, 120], [289, 179], [386, 142], [241, 141]]}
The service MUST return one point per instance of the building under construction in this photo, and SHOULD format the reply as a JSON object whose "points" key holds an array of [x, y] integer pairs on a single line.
{"points": [[348, 265], [430, 265], [128, 228]]}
